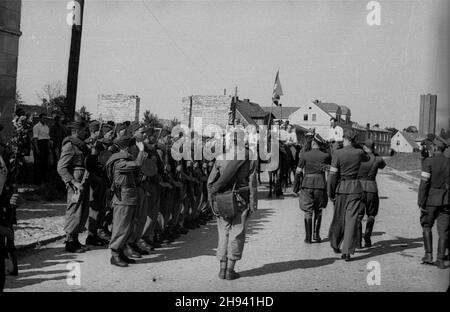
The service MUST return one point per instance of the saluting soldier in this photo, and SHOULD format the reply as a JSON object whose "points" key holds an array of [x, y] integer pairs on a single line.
{"points": [[367, 175], [71, 168], [239, 174], [345, 191], [121, 170], [313, 194], [434, 203]]}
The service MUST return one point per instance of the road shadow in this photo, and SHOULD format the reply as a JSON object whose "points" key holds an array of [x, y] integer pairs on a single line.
{"points": [[37, 210], [383, 197], [203, 241], [280, 267], [32, 271], [396, 245]]}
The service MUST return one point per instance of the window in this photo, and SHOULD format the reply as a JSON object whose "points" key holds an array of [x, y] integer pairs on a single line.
{"points": [[398, 142], [305, 117], [313, 118]]}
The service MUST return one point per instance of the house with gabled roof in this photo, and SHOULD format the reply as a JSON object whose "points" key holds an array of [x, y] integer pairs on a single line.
{"points": [[406, 142]]}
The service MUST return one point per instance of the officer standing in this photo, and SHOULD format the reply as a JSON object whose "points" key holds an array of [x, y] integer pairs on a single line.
{"points": [[367, 175], [433, 200], [226, 175], [122, 170], [313, 194], [345, 191], [71, 168]]}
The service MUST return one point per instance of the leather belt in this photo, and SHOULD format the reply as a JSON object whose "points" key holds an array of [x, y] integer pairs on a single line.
{"points": [[314, 175]]}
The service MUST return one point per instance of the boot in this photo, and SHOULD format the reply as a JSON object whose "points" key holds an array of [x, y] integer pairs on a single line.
{"points": [[142, 244], [126, 259], [138, 249], [80, 245], [15, 269], [117, 260], [369, 227], [223, 269], [442, 246], [358, 234], [72, 247], [428, 246], [230, 274], [130, 252], [317, 222], [95, 240], [308, 230]]}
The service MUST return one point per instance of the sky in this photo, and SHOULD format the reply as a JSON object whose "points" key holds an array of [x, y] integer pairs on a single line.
{"points": [[326, 50]]}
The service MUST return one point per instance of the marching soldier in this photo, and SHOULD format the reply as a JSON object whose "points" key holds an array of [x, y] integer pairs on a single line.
{"points": [[433, 200], [121, 170], [313, 194], [370, 202], [71, 168], [225, 176], [345, 192]]}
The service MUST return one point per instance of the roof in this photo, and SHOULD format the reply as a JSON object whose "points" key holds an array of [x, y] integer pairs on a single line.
{"points": [[300, 128], [250, 110], [345, 110], [328, 107], [281, 112], [411, 138]]}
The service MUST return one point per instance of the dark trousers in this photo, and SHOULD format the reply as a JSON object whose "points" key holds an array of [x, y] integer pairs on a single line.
{"points": [[97, 208], [440, 214], [41, 162], [344, 224]]}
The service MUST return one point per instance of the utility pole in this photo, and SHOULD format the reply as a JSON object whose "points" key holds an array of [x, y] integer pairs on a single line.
{"points": [[74, 59]]}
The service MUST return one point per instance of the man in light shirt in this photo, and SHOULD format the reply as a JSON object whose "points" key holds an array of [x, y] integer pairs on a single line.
{"points": [[292, 136], [41, 141], [335, 134]]}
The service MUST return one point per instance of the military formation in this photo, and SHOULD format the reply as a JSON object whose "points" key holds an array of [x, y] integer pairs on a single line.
{"points": [[125, 188]]}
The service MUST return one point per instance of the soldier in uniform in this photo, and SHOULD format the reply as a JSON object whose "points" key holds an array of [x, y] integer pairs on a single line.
{"points": [[71, 168], [313, 194], [370, 202], [240, 175], [122, 170], [433, 200], [345, 192]]}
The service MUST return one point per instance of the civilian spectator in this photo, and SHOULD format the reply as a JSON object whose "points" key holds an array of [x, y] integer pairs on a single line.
{"points": [[41, 141]]}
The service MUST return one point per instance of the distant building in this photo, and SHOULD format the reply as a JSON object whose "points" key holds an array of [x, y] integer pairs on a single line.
{"points": [[380, 137], [316, 115], [118, 107], [9, 51], [249, 113], [406, 142], [427, 114], [281, 113]]}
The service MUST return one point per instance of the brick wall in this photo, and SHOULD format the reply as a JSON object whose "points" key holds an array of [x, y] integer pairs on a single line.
{"points": [[212, 108], [118, 107], [9, 50]]}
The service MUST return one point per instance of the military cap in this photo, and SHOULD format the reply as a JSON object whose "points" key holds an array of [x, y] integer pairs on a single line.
{"points": [[94, 126], [369, 143], [106, 127], [430, 137], [124, 141], [349, 134], [134, 127], [121, 127]]}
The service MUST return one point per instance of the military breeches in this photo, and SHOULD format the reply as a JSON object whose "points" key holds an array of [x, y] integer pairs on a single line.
{"points": [[440, 214], [344, 224], [97, 207], [232, 236], [77, 212], [152, 212], [140, 215], [370, 203], [312, 200], [122, 226]]}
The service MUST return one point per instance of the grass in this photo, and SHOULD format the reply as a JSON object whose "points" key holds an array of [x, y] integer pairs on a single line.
{"points": [[404, 161]]}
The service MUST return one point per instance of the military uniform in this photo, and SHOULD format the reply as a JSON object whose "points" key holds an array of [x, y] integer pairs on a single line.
{"points": [[345, 190], [433, 199], [370, 201], [71, 168], [224, 175], [313, 194], [122, 171]]}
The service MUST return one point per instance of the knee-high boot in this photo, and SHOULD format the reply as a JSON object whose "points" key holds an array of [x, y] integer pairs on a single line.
{"points": [[428, 246], [359, 233], [369, 227], [317, 223], [308, 230], [442, 246]]}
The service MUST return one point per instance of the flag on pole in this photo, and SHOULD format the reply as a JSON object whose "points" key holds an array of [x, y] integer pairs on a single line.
{"points": [[277, 90]]}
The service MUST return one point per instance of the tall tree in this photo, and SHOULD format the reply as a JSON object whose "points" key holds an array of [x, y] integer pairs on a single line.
{"points": [[83, 114], [152, 120]]}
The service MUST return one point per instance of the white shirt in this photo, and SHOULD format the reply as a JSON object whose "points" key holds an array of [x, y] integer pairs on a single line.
{"points": [[335, 134], [292, 138], [284, 135], [41, 132]]}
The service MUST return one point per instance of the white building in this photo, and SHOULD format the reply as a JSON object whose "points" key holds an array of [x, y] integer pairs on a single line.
{"points": [[317, 115], [405, 142]]}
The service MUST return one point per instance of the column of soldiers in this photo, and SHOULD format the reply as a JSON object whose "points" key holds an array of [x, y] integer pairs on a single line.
{"points": [[351, 186], [125, 188]]}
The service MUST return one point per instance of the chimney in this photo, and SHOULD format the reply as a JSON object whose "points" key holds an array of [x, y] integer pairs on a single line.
{"points": [[368, 126]]}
